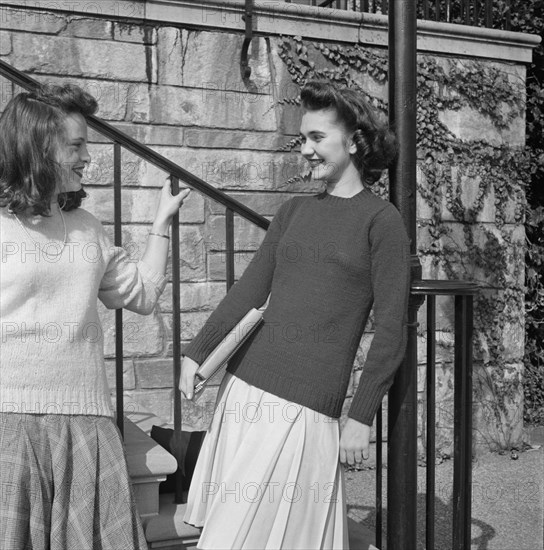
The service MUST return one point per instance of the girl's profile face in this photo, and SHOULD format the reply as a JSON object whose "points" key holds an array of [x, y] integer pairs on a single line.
{"points": [[326, 145], [72, 153]]}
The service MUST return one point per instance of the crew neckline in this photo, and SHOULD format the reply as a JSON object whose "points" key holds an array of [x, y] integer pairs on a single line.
{"points": [[336, 198]]}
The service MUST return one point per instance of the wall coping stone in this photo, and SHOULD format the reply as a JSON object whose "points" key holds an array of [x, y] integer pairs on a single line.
{"points": [[301, 20]]}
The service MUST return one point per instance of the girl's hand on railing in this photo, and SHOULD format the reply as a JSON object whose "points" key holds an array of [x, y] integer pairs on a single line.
{"points": [[156, 250], [187, 378], [168, 206], [354, 442]]}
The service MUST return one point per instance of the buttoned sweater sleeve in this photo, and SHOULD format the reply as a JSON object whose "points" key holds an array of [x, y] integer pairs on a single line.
{"points": [[250, 291], [390, 272]]}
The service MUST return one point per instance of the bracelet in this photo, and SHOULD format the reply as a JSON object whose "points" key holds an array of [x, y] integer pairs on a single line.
{"points": [[160, 235]]}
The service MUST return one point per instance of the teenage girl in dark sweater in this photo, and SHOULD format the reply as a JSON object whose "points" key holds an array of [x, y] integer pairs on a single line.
{"points": [[269, 474]]}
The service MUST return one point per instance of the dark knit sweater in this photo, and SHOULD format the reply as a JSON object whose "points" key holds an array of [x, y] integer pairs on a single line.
{"points": [[326, 261]]}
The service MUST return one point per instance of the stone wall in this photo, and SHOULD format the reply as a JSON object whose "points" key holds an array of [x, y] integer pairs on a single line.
{"points": [[178, 90]]}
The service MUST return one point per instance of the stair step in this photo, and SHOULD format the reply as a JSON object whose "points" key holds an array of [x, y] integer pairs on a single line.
{"points": [[148, 465], [167, 530]]}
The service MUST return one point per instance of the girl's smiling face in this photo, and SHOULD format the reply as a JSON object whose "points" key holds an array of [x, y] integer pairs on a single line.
{"points": [[72, 153], [326, 145]]}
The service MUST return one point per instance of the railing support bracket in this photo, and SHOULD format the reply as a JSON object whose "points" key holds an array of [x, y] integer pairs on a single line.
{"points": [[245, 69]]}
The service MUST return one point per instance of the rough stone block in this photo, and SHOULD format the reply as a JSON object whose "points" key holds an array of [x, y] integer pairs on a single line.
{"points": [[125, 32], [468, 124], [5, 43], [142, 334], [138, 102], [288, 115], [231, 139], [468, 187], [148, 135], [154, 373], [159, 402], [194, 296], [129, 381], [79, 57], [507, 325], [374, 88], [171, 43], [100, 29], [31, 21], [247, 236], [217, 265], [140, 205], [225, 48], [207, 107], [192, 254], [191, 322], [265, 204], [424, 211], [485, 268]]}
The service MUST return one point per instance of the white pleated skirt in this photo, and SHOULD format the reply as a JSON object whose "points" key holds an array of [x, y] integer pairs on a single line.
{"points": [[268, 476]]}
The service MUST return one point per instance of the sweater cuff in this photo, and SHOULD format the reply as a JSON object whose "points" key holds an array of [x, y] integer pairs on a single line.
{"points": [[366, 402]]}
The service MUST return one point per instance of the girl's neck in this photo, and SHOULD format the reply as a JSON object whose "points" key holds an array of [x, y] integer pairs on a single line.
{"points": [[346, 187]]}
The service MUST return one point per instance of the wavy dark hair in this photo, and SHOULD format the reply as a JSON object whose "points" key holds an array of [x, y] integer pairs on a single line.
{"points": [[376, 143], [32, 127]]}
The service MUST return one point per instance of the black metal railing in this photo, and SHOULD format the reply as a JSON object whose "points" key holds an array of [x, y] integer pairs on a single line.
{"points": [[463, 293], [477, 13]]}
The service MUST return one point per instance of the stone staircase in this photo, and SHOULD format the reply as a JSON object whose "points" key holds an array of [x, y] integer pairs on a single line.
{"points": [[148, 465]]}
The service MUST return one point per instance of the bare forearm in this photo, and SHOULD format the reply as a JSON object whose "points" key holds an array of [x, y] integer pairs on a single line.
{"points": [[158, 242]]}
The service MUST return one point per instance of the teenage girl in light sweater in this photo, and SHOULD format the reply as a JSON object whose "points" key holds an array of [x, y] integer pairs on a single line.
{"points": [[269, 474], [63, 474]]}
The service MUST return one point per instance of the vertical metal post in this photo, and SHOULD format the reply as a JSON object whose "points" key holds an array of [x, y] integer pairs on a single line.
{"points": [[488, 13], [229, 245], [118, 238], [402, 402], [379, 476], [508, 15], [431, 420], [466, 10], [176, 344], [462, 436]]}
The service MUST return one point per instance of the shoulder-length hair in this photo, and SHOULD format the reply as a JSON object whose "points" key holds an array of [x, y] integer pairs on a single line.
{"points": [[376, 144], [32, 127]]}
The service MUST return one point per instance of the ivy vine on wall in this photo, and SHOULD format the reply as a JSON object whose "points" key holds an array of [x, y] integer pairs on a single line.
{"points": [[472, 195]]}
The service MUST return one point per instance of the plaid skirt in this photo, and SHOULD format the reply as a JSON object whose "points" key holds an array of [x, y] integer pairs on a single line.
{"points": [[268, 476], [65, 485]]}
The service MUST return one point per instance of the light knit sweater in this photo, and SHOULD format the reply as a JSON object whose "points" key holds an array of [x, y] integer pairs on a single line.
{"points": [[326, 261], [51, 347]]}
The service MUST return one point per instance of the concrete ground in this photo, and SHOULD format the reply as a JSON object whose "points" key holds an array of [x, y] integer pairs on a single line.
{"points": [[507, 503]]}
